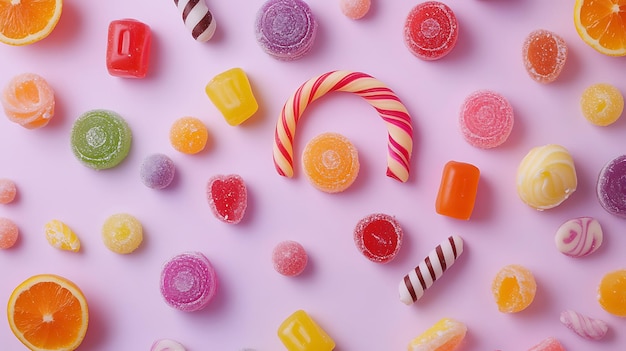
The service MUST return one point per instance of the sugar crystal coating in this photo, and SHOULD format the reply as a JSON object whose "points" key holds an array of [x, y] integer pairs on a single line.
{"points": [[447, 334], [513, 288], [579, 237], [602, 104], [228, 197], [544, 54], [378, 237], [431, 30], [8, 191], [157, 171], [61, 236], [611, 186], [189, 135], [289, 258], [486, 119], [8, 233], [330, 162], [28, 100], [122, 233], [188, 281], [355, 9]]}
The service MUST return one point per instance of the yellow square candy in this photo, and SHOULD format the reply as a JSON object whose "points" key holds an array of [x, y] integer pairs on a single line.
{"points": [[231, 93], [299, 332]]}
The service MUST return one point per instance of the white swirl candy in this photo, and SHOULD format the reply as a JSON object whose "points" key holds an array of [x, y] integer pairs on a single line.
{"points": [[588, 328], [579, 237], [167, 345]]}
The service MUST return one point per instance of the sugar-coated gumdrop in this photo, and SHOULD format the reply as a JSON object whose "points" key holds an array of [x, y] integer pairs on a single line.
{"points": [[548, 344], [513, 288], [289, 258], [157, 171], [122, 233], [378, 237], [28, 100], [188, 281], [445, 335], [544, 54], [8, 190], [458, 190], [189, 135], [231, 92], [8, 233], [167, 345], [61, 236], [486, 119], [587, 327], [299, 332], [579, 237], [611, 186], [355, 9], [228, 197], [330, 162], [100, 139], [431, 30], [612, 292], [602, 104], [286, 29]]}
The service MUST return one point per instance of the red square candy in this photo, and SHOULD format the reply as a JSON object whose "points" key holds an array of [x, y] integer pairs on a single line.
{"points": [[128, 48]]}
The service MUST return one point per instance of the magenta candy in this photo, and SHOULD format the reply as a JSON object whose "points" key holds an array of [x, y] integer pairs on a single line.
{"points": [[286, 29], [157, 171], [289, 258], [611, 187], [486, 119], [188, 281]]}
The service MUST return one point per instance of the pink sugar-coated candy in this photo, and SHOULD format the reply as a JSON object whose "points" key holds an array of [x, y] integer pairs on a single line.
{"points": [[157, 171], [354, 9], [8, 190], [8, 233], [587, 327], [611, 187], [289, 258], [548, 344], [188, 281], [579, 237], [167, 345], [228, 197], [486, 119]]}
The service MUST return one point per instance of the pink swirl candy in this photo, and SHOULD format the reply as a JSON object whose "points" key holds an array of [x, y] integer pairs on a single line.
{"points": [[587, 327], [167, 345], [579, 237]]}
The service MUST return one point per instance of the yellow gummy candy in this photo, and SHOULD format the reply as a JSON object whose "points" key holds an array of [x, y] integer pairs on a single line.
{"points": [[60, 236], [299, 332], [602, 104], [445, 335], [231, 93]]}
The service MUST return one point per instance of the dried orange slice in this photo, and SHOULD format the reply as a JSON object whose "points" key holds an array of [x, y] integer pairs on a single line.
{"points": [[24, 22], [602, 25], [47, 312]]}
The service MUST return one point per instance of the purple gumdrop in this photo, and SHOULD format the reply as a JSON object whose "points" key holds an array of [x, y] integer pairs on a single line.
{"points": [[188, 281], [286, 29], [611, 187], [157, 171]]}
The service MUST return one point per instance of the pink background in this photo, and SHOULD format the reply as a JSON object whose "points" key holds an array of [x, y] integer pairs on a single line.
{"points": [[353, 299]]}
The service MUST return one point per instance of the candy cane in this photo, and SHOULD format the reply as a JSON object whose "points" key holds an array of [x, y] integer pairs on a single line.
{"points": [[377, 94]]}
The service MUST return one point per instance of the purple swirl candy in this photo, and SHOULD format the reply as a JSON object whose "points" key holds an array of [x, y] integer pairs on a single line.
{"points": [[285, 29], [579, 236], [611, 187], [157, 171], [587, 327], [188, 281]]}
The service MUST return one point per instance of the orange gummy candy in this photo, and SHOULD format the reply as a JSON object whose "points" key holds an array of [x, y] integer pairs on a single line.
{"points": [[514, 288], [544, 55], [457, 191], [612, 293], [189, 135], [330, 162], [28, 100]]}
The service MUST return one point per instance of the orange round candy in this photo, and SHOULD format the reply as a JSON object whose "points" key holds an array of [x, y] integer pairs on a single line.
{"points": [[544, 55], [28, 100], [514, 288], [612, 292], [331, 162], [189, 135]]}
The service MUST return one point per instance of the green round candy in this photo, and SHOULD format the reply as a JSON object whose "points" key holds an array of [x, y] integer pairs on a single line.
{"points": [[100, 139]]}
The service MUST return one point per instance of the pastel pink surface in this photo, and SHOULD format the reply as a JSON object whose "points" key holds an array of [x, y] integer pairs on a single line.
{"points": [[127, 309]]}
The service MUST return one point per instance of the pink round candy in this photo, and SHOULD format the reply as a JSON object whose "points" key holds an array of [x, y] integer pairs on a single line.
{"points": [[157, 171], [8, 233], [7, 191], [188, 281], [354, 9], [486, 119], [289, 258]]}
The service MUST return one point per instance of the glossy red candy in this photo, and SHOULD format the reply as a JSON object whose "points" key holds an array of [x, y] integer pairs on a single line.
{"points": [[227, 197], [128, 48], [378, 237], [431, 30]]}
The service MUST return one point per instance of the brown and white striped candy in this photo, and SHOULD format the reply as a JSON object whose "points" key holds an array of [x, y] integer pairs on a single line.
{"points": [[444, 255], [197, 18]]}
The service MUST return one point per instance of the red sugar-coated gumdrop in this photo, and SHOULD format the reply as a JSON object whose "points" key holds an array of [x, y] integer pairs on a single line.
{"points": [[378, 237], [289, 258], [431, 30], [544, 54], [227, 197]]}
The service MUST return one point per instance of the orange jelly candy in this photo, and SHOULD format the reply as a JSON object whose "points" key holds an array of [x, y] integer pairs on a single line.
{"points": [[457, 191], [330, 162], [514, 288], [612, 293], [544, 55], [28, 100], [189, 135]]}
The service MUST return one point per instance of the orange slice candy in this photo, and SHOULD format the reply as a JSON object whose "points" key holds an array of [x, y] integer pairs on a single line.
{"points": [[28, 100], [330, 162], [27, 21], [514, 288], [48, 313], [612, 293], [600, 24]]}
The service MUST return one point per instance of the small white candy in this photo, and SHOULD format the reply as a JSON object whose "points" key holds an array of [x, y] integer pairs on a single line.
{"points": [[167, 345]]}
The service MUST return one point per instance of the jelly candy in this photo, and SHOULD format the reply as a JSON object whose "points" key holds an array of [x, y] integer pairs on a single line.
{"points": [[445, 335], [546, 177], [197, 18], [188, 281], [289, 258], [231, 93], [8, 191], [8, 233], [167, 345], [330, 162], [486, 119], [587, 327], [579, 237], [100, 139], [122, 233], [299, 332], [612, 292], [513, 288], [61, 236], [157, 171], [285, 29], [378, 237], [189, 135], [355, 9], [602, 104], [28, 100], [457, 191], [128, 48], [228, 197], [548, 344], [431, 30], [611, 187], [544, 55]]}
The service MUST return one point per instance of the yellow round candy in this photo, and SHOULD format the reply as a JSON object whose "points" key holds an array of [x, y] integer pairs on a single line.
{"points": [[602, 104], [122, 233]]}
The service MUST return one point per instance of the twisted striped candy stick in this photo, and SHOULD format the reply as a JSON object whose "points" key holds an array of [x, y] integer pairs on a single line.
{"points": [[377, 94], [587, 327], [197, 18]]}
